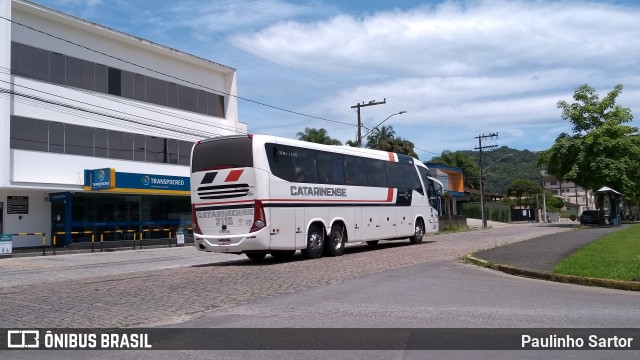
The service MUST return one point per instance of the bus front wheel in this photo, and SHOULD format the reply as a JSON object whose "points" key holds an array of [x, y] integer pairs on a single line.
{"points": [[315, 242], [419, 233]]}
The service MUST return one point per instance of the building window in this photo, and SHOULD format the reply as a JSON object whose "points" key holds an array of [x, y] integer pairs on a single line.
{"points": [[56, 137], [78, 140], [66, 70], [115, 81], [29, 134], [120, 145], [553, 183], [29, 61], [80, 73]]}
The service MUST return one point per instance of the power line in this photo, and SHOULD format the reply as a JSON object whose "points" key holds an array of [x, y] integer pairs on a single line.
{"points": [[174, 77], [185, 81]]}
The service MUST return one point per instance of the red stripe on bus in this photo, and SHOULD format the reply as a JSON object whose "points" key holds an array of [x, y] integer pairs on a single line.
{"points": [[389, 194], [305, 200], [234, 175]]}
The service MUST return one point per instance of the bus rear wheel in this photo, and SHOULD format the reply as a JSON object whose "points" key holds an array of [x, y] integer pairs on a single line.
{"points": [[337, 240], [419, 233], [256, 256], [315, 242]]}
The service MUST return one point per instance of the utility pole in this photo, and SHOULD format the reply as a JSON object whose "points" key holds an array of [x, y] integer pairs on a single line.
{"points": [[357, 107], [543, 174], [480, 148]]}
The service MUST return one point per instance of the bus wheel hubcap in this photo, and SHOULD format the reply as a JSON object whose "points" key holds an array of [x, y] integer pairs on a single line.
{"points": [[315, 241], [337, 240]]}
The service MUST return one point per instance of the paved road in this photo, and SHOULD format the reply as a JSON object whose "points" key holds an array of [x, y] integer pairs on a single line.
{"points": [[396, 285], [164, 296], [54, 268]]}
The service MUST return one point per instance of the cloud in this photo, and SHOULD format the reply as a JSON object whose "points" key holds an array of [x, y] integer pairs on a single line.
{"points": [[468, 67], [229, 15]]}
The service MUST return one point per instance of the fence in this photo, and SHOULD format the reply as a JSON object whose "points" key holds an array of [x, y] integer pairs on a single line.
{"points": [[44, 238], [137, 236], [495, 211]]}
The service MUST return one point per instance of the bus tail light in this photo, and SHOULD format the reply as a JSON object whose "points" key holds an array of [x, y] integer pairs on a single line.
{"points": [[194, 220], [259, 219]]}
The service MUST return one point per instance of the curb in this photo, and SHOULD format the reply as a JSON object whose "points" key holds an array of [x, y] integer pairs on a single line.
{"points": [[571, 279]]}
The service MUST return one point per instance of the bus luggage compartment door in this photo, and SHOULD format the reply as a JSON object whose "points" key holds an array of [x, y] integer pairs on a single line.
{"points": [[287, 228]]}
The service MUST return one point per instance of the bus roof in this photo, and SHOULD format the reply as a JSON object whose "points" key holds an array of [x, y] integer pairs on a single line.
{"points": [[343, 149]]}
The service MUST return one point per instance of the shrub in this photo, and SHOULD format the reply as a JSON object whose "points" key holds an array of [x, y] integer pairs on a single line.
{"points": [[573, 217]]}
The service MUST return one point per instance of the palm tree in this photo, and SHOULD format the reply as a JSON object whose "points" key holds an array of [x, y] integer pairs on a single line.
{"points": [[319, 136], [383, 134]]}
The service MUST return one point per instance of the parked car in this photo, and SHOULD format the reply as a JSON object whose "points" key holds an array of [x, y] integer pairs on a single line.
{"points": [[590, 217]]}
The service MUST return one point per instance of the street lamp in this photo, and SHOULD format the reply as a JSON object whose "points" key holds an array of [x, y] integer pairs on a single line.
{"points": [[375, 127]]}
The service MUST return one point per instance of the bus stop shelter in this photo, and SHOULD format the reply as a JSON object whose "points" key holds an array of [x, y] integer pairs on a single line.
{"points": [[614, 201]]}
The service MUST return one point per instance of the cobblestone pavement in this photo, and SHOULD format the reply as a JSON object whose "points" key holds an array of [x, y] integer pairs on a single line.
{"points": [[149, 298]]}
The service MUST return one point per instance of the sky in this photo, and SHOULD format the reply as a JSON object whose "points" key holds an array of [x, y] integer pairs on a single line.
{"points": [[458, 68]]}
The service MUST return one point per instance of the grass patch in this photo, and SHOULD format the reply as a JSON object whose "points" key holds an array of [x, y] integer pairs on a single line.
{"points": [[615, 257], [453, 229]]}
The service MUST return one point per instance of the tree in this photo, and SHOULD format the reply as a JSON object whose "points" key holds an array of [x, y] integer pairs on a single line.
{"points": [[380, 135], [319, 136], [508, 201], [384, 139], [554, 203], [602, 151], [461, 160], [520, 188]]}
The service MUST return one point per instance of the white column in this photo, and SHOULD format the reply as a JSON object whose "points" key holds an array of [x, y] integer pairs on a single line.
{"points": [[5, 84]]}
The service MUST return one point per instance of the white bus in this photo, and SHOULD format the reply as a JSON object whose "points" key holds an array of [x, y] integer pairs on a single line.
{"points": [[259, 195]]}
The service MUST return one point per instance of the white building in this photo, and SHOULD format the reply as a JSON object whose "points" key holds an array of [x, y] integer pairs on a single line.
{"points": [[573, 195], [78, 97]]}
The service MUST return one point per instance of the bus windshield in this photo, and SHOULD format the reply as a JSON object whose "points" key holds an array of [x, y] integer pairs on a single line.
{"points": [[222, 153]]}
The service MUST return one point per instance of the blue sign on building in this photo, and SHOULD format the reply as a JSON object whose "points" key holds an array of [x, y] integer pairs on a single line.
{"points": [[149, 181], [103, 179]]}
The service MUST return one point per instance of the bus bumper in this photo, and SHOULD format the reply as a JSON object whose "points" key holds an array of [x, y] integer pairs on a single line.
{"points": [[233, 244]]}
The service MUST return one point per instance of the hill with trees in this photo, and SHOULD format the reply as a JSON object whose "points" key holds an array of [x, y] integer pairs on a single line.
{"points": [[501, 166]]}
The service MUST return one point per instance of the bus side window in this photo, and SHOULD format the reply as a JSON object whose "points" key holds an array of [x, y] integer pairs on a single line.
{"points": [[355, 171], [411, 178], [395, 175], [433, 195], [330, 168], [306, 169], [376, 173]]}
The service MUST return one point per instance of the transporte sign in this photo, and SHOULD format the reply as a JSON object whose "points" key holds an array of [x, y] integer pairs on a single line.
{"points": [[122, 181]]}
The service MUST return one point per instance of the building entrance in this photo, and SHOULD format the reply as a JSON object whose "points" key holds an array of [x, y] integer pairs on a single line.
{"points": [[117, 216]]}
